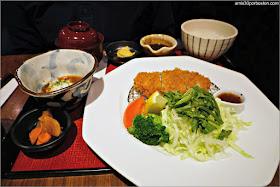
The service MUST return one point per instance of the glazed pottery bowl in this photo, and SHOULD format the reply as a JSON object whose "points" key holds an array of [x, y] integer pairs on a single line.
{"points": [[79, 35], [164, 44], [235, 108], [36, 72], [112, 49], [207, 39], [23, 126]]}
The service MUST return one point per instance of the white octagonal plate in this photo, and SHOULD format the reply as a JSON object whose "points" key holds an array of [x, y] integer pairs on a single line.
{"points": [[144, 165]]}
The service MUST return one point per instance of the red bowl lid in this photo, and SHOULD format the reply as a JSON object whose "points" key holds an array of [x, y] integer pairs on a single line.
{"points": [[77, 35]]}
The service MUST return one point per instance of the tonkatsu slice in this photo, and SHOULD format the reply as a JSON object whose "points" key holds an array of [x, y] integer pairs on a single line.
{"points": [[169, 80], [148, 83]]}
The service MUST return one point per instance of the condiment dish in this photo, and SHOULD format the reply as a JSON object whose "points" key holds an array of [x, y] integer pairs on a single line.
{"points": [[228, 99], [25, 123], [112, 49], [158, 44], [38, 71]]}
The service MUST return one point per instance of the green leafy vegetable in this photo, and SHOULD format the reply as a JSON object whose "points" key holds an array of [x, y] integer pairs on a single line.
{"points": [[199, 105], [149, 129], [224, 134], [187, 142]]}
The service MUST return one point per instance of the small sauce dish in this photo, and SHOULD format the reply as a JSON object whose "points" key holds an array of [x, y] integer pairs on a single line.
{"points": [[158, 44], [113, 48], [232, 98]]}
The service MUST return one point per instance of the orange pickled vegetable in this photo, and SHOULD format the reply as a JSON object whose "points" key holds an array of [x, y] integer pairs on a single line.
{"points": [[38, 142], [45, 129], [136, 107], [45, 113], [50, 125], [44, 137], [33, 135]]}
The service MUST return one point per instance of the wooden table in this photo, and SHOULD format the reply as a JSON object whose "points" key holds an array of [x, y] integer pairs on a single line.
{"points": [[9, 113]]}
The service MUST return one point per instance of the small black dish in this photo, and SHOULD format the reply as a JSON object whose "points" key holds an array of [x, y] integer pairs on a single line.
{"points": [[20, 130], [111, 51]]}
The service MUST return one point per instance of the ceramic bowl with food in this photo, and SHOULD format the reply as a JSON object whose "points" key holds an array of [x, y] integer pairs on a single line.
{"points": [[122, 51], [58, 78], [207, 39], [232, 98], [158, 44], [20, 131]]}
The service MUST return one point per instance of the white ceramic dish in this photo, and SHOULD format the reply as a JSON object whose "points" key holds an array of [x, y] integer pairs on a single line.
{"points": [[236, 108], [207, 39], [163, 39], [143, 165], [36, 72]]}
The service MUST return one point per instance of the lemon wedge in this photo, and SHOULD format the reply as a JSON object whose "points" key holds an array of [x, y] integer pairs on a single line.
{"points": [[155, 103]]}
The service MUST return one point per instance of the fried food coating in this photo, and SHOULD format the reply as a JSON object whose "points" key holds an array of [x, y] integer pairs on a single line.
{"points": [[148, 83], [169, 80], [188, 78], [201, 81], [179, 80]]}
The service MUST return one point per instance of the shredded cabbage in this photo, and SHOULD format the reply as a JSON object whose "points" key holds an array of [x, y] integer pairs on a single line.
{"points": [[198, 145]]}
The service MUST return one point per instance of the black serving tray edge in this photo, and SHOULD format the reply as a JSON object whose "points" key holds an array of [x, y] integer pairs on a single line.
{"points": [[9, 154]]}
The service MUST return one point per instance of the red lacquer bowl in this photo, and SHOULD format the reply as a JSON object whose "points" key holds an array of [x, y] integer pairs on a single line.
{"points": [[79, 35]]}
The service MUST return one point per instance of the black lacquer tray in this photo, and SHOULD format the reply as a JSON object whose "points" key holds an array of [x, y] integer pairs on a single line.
{"points": [[9, 152]]}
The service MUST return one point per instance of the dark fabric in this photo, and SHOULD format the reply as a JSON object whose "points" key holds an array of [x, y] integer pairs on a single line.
{"points": [[32, 27], [255, 51]]}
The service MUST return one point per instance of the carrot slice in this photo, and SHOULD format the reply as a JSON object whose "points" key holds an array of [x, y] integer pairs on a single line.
{"points": [[136, 107], [44, 137], [33, 135]]}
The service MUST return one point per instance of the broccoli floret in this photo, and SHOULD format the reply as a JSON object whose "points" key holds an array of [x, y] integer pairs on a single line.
{"points": [[149, 129]]}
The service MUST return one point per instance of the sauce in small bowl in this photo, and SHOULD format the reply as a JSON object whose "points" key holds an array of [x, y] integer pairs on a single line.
{"points": [[158, 44], [232, 98]]}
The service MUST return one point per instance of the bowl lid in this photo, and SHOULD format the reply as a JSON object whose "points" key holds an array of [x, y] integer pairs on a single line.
{"points": [[78, 35]]}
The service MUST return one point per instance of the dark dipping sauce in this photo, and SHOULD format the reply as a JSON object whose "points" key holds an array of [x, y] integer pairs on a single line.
{"points": [[157, 46], [230, 97]]}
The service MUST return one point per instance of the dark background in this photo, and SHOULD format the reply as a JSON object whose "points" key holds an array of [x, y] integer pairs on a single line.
{"points": [[255, 51], [31, 27]]}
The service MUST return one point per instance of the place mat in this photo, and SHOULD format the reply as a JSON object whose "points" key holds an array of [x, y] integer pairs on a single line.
{"points": [[77, 156], [222, 61]]}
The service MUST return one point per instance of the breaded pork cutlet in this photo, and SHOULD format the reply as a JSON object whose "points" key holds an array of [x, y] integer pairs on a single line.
{"points": [[201, 81], [171, 80], [188, 78], [147, 83], [168, 81], [179, 82]]}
